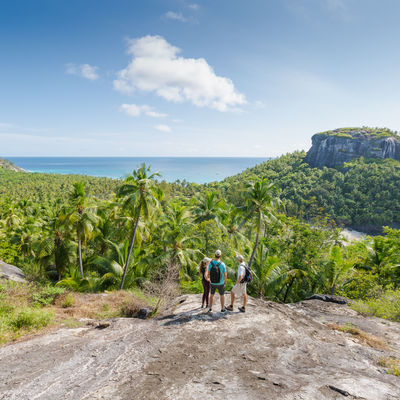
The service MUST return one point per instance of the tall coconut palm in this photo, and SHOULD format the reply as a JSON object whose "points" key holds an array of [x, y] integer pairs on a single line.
{"points": [[82, 218], [269, 273], [179, 236], [336, 270], [140, 194], [261, 204], [207, 207], [56, 246]]}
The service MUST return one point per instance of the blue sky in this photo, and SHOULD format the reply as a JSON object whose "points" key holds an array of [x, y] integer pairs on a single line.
{"points": [[193, 78]]}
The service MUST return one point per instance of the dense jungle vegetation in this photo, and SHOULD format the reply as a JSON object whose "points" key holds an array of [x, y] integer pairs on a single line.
{"points": [[94, 234], [363, 194]]}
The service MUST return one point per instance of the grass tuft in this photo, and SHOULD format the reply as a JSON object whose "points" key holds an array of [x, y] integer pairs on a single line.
{"points": [[363, 337], [392, 364]]}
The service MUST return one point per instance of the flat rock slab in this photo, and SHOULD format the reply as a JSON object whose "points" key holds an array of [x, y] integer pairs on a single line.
{"points": [[272, 351]]}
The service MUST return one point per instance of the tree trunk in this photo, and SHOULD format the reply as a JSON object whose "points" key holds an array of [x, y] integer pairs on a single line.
{"points": [[80, 254], [253, 253], [333, 289], [288, 288], [130, 250]]}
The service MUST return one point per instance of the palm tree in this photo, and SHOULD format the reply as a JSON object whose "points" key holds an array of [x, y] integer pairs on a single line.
{"points": [[207, 207], [140, 194], [262, 202], [336, 269], [82, 218], [179, 236], [269, 272], [56, 246]]}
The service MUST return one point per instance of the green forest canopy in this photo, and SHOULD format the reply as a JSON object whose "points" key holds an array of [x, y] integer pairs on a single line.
{"points": [[46, 218]]}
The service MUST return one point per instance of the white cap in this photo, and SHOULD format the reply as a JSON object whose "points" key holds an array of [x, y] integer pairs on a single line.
{"points": [[239, 257], [218, 253]]}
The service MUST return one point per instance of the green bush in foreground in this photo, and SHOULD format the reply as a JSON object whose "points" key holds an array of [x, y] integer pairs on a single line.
{"points": [[47, 295], [22, 308], [31, 318]]}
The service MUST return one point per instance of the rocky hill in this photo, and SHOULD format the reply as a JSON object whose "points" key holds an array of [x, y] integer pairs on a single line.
{"points": [[8, 165], [333, 148], [312, 350]]}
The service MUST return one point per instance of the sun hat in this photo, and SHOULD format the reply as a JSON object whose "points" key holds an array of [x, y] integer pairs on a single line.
{"points": [[218, 253]]}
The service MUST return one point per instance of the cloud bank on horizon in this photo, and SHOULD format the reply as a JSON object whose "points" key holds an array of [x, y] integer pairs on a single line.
{"points": [[157, 67]]}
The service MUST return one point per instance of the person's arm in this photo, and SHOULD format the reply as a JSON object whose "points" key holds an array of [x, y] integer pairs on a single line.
{"points": [[207, 275], [225, 277], [239, 279]]}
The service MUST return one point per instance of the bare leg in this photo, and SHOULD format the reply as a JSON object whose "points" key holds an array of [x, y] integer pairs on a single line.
{"points": [[211, 300], [244, 300], [232, 298], [222, 298]]}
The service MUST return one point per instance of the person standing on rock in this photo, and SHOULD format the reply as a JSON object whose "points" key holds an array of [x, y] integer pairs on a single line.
{"points": [[240, 287], [206, 283], [216, 274]]}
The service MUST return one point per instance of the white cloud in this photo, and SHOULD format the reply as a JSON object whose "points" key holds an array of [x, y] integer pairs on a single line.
{"points": [[163, 128], [156, 67], [84, 70], [175, 16], [135, 111], [194, 6]]}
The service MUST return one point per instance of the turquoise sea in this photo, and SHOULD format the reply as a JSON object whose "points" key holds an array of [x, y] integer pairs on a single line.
{"points": [[191, 169]]}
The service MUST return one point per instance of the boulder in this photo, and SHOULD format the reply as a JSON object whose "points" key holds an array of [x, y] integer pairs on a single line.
{"points": [[329, 298], [10, 272]]}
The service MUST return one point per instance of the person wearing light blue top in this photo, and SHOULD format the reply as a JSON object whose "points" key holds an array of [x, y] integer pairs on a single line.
{"points": [[217, 275]]}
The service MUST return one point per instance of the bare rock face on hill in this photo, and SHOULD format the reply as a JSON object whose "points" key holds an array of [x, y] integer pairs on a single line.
{"points": [[273, 351], [333, 148]]}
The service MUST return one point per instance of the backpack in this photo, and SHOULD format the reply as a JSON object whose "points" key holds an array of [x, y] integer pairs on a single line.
{"points": [[215, 273], [248, 276]]}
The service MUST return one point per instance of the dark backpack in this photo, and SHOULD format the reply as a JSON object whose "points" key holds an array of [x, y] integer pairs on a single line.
{"points": [[248, 276], [215, 272]]}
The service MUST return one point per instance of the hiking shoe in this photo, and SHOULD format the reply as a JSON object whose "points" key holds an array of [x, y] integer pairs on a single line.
{"points": [[229, 308], [242, 309], [209, 311], [223, 310]]}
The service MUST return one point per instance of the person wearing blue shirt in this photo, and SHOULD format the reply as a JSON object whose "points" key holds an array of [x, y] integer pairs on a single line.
{"points": [[216, 274]]}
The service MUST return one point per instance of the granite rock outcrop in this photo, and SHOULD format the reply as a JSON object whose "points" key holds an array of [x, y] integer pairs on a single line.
{"points": [[333, 148]]}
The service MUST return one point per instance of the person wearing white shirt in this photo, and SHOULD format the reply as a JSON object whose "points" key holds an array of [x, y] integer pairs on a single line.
{"points": [[240, 288]]}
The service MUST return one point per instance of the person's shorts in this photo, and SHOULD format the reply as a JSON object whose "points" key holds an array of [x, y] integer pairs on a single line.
{"points": [[220, 288], [240, 289]]}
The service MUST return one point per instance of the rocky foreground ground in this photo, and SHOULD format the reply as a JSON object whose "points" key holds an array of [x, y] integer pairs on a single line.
{"points": [[272, 351]]}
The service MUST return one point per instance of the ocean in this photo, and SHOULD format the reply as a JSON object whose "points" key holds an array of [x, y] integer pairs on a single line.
{"points": [[191, 169]]}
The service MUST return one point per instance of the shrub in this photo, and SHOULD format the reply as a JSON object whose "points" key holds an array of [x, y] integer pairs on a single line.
{"points": [[392, 365], [68, 301], [30, 318], [385, 306], [363, 285], [131, 309], [47, 295], [191, 286]]}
